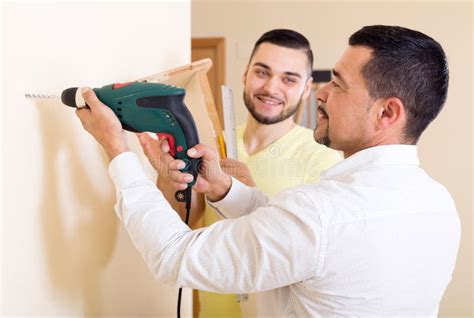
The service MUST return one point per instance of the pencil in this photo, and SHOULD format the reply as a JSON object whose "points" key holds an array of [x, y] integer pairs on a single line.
{"points": [[221, 142]]}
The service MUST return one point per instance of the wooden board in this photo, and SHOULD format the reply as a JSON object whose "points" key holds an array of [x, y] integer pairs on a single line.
{"points": [[198, 99]]}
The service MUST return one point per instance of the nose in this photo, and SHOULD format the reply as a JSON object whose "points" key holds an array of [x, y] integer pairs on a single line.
{"points": [[271, 85], [322, 93]]}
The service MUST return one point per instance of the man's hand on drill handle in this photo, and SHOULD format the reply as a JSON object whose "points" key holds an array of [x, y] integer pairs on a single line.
{"points": [[157, 152], [211, 181], [101, 122]]}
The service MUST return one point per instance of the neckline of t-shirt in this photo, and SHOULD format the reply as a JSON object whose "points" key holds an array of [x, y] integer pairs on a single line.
{"points": [[240, 140]]}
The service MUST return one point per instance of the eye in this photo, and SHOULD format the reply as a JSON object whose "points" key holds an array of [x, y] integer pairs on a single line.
{"points": [[261, 73], [335, 84], [289, 80]]}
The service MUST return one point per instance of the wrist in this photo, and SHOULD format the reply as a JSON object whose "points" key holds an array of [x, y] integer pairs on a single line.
{"points": [[220, 188], [113, 152]]}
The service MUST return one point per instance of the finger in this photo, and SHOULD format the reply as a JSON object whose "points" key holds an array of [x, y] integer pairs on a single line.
{"points": [[164, 146], [180, 177], [201, 185], [144, 141], [91, 98], [201, 150], [165, 161], [144, 138], [180, 186], [176, 164], [83, 114]]}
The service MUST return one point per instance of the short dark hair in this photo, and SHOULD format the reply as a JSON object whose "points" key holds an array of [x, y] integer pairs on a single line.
{"points": [[289, 39], [409, 65]]}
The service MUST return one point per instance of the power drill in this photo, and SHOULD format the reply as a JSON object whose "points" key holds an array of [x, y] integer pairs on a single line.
{"points": [[150, 107]]}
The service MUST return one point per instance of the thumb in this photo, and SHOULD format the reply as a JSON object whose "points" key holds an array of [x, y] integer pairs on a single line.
{"points": [[90, 98], [144, 138]]}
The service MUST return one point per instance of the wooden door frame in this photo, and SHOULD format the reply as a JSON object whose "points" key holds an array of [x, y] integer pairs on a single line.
{"points": [[217, 44]]}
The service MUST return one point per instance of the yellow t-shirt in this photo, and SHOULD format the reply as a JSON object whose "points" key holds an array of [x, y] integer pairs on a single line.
{"points": [[292, 160]]}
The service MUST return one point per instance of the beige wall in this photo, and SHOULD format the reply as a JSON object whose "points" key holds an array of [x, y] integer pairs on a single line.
{"points": [[64, 252], [446, 147]]}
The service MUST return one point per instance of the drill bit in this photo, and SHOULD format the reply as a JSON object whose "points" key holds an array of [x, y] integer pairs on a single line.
{"points": [[71, 97], [41, 96]]}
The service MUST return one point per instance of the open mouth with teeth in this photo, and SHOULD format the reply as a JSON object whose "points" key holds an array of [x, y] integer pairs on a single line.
{"points": [[269, 101], [322, 113]]}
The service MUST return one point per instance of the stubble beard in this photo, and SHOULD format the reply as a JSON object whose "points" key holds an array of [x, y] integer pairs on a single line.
{"points": [[324, 140], [285, 113]]}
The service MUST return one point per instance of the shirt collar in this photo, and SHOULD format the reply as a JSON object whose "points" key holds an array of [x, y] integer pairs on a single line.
{"points": [[375, 156]]}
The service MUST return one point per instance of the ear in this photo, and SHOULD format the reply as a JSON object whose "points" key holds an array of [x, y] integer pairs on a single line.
{"points": [[244, 76], [390, 112], [307, 88]]}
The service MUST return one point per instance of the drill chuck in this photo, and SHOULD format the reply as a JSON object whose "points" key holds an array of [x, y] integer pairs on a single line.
{"points": [[73, 97]]}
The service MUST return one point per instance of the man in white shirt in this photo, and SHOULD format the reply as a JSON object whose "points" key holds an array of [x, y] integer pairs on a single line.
{"points": [[274, 152], [375, 237]]}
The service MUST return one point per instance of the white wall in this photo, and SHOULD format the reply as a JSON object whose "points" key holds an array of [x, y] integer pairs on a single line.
{"points": [[446, 147], [63, 250]]}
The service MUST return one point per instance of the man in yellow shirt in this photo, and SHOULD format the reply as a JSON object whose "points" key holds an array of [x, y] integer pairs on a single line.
{"points": [[274, 152]]}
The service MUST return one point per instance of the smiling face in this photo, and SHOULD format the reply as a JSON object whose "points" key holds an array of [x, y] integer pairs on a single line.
{"points": [[346, 118], [275, 81]]}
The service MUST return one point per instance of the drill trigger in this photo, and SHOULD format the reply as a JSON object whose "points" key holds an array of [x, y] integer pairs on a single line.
{"points": [[170, 138]]}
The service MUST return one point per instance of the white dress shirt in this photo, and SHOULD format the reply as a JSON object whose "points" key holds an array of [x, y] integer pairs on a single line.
{"points": [[375, 237]]}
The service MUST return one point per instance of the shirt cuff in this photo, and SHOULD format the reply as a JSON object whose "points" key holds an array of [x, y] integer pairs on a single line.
{"points": [[126, 169], [235, 204]]}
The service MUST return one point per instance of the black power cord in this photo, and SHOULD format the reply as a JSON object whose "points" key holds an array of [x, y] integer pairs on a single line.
{"points": [[179, 302], [187, 199]]}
